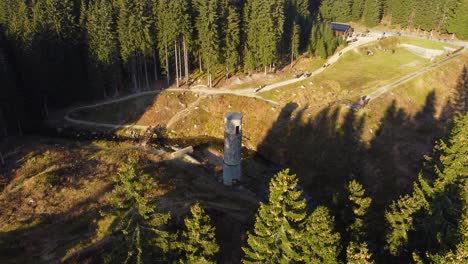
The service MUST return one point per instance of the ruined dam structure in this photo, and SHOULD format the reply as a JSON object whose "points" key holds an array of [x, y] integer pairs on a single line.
{"points": [[232, 148]]}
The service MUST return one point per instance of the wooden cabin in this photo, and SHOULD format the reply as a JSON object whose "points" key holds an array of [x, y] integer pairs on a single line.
{"points": [[341, 29]]}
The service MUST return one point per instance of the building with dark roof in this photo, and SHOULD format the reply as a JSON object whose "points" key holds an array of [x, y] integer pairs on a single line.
{"points": [[342, 29]]}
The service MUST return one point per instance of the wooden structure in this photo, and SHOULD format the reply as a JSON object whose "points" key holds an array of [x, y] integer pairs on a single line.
{"points": [[341, 29]]}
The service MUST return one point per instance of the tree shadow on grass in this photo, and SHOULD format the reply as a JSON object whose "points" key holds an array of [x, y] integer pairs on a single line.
{"points": [[70, 236], [327, 150]]}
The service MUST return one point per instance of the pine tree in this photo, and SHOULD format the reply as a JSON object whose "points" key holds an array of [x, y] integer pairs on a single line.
{"points": [[276, 237], [360, 205], [358, 254], [357, 251], [58, 18], [295, 43], [336, 10], [434, 212], [321, 49], [20, 27], [357, 9], [165, 27], [102, 39], [232, 40], [400, 219], [372, 12], [137, 222], [330, 41], [208, 34], [198, 242], [401, 11], [320, 244], [457, 23], [314, 37], [264, 28], [127, 40]]}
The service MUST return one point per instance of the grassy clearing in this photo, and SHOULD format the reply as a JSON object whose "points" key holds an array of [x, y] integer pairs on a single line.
{"points": [[427, 43], [412, 96], [353, 75], [207, 120], [64, 216], [243, 81]]}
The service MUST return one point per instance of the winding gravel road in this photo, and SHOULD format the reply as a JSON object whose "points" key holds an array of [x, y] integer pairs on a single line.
{"points": [[248, 92]]}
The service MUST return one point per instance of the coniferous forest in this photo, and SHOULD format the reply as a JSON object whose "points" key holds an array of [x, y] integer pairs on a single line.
{"points": [[92, 49], [60, 53]]}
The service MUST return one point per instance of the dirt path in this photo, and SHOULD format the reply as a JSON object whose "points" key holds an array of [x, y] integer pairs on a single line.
{"points": [[184, 112], [252, 92], [248, 92], [206, 91]]}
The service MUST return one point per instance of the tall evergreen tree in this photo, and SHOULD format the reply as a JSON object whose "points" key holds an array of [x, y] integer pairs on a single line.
{"points": [[275, 238], [198, 242], [358, 254], [357, 9], [208, 34], [330, 41], [457, 24], [360, 205], [357, 251], [232, 41], [429, 220], [165, 27], [295, 43], [320, 244], [372, 12], [264, 29], [137, 222], [314, 37], [336, 10], [101, 34]]}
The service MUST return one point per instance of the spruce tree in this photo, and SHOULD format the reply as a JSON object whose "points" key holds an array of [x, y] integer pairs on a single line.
{"points": [[20, 27], [101, 36], [358, 254], [357, 9], [198, 242], [330, 41], [58, 19], [319, 243], [137, 224], [208, 34], [295, 41], [457, 24], [264, 28], [336, 10], [321, 50], [276, 237], [435, 211], [401, 11], [232, 41], [165, 26], [357, 251], [360, 205], [400, 219], [315, 36], [372, 12]]}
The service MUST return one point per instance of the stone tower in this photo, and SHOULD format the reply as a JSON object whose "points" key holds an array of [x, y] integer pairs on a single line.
{"points": [[232, 147]]}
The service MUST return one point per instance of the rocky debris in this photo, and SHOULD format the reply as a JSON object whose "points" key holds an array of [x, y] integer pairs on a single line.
{"points": [[423, 52], [32, 202]]}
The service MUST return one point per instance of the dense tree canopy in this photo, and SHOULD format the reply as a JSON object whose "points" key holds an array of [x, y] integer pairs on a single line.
{"points": [[431, 222]]}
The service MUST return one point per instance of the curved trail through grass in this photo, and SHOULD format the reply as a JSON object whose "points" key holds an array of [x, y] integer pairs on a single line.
{"points": [[252, 92], [183, 113], [248, 92]]}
